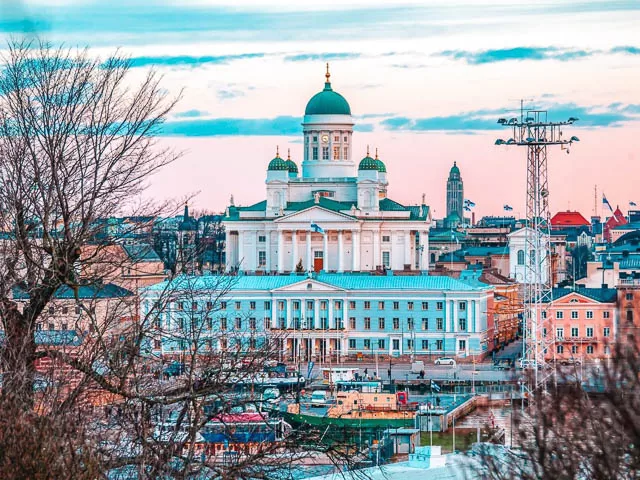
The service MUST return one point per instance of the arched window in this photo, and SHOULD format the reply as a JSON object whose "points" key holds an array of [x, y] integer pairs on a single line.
{"points": [[630, 316], [520, 257]]}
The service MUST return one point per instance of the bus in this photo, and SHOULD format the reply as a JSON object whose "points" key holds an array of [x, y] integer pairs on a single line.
{"points": [[339, 374]]}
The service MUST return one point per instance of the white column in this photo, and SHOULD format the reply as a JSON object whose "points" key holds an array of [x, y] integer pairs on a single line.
{"points": [[294, 249], [230, 250], [280, 251], [309, 256], [241, 263], [355, 241], [325, 251], [330, 312], [267, 249], [274, 313], [424, 251], [454, 314], [407, 249], [376, 248], [340, 252], [316, 313], [476, 316], [289, 324], [345, 314]]}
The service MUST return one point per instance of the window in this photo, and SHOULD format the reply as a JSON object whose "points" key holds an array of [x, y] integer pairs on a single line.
{"points": [[386, 259], [238, 323], [223, 344], [544, 314], [309, 304], [381, 323], [267, 305], [589, 314], [252, 305], [324, 305], [590, 349], [409, 305], [157, 344], [367, 344], [425, 324], [280, 304], [336, 153], [629, 296], [367, 305], [78, 310], [396, 305], [237, 305], [559, 349], [520, 257], [65, 310], [574, 331], [52, 326], [223, 305], [223, 324], [559, 332], [462, 324], [574, 314], [314, 151], [352, 343], [386, 238], [559, 314], [367, 323], [606, 332], [410, 344], [282, 322], [409, 323], [439, 344], [295, 305], [439, 323], [209, 323], [336, 138], [209, 306], [345, 139], [630, 316], [439, 305], [396, 344], [574, 349], [607, 350], [352, 304], [252, 323], [325, 153], [180, 307], [337, 304], [262, 238], [346, 152], [315, 138], [381, 344], [396, 324], [425, 305], [605, 314], [462, 306], [262, 258], [425, 344], [380, 305], [64, 326], [267, 323], [589, 332], [544, 332], [352, 323], [462, 344]]}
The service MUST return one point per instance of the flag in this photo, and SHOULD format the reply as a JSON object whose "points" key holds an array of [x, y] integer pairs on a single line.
{"points": [[435, 386], [317, 228], [467, 209], [310, 369], [469, 203], [508, 208], [606, 202], [632, 204]]}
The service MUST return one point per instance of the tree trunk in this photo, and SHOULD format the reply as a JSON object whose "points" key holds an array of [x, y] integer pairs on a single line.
{"points": [[18, 359]]}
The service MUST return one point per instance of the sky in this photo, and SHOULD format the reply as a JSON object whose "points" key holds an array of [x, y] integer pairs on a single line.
{"points": [[426, 82]]}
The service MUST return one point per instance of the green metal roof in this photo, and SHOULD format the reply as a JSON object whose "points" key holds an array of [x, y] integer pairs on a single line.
{"points": [[346, 281], [368, 163], [109, 290], [327, 102], [141, 252], [602, 295], [454, 170], [293, 168], [278, 164], [381, 166]]}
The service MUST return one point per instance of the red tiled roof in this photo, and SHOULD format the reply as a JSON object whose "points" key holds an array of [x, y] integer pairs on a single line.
{"points": [[569, 219]]}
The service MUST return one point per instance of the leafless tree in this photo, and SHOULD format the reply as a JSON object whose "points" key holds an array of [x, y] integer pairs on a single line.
{"points": [[585, 428], [99, 396]]}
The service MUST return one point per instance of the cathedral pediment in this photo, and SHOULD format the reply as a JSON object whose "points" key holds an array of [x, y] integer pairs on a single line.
{"points": [[315, 214], [309, 285]]}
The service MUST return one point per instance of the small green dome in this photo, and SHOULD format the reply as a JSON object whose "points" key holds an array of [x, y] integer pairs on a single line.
{"points": [[291, 165], [327, 102], [454, 169], [278, 164], [368, 163], [381, 166]]}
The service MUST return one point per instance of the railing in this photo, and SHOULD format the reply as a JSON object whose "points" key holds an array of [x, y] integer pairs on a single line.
{"points": [[629, 281]]}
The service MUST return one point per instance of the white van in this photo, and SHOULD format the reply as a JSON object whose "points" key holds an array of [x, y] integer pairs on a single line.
{"points": [[417, 367]]}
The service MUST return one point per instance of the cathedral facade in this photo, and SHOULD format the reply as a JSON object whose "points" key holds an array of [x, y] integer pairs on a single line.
{"points": [[331, 214]]}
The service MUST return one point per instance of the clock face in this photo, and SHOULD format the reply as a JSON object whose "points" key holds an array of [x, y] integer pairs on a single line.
{"points": [[325, 138]]}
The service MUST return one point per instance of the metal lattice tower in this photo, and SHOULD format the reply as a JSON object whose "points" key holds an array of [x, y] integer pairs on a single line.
{"points": [[536, 133]]}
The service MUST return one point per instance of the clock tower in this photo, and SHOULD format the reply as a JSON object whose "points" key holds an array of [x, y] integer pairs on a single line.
{"points": [[327, 130]]}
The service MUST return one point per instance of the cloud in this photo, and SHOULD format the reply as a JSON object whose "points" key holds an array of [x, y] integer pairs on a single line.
{"points": [[626, 49], [189, 60], [213, 127], [191, 114], [303, 57], [363, 127], [229, 93], [590, 116], [517, 53]]}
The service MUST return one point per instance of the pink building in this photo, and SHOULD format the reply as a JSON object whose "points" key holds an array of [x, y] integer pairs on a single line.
{"points": [[580, 324]]}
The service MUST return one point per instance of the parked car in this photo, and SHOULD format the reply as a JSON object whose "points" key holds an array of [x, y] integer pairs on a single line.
{"points": [[503, 365], [569, 361], [528, 364], [446, 361]]}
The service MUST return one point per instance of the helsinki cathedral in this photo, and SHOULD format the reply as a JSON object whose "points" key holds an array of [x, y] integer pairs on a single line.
{"points": [[330, 214]]}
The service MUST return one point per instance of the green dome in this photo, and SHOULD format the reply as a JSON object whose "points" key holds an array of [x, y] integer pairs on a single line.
{"points": [[278, 164], [291, 165], [327, 102], [455, 169], [368, 163], [381, 167]]}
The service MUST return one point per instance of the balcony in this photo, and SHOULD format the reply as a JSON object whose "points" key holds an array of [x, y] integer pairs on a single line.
{"points": [[629, 282]]}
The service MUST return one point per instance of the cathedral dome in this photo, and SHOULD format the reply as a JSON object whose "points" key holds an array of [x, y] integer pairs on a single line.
{"points": [[454, 169], [381, 166], [291, 165], [327, 102], [368, 163], [279, 164]]}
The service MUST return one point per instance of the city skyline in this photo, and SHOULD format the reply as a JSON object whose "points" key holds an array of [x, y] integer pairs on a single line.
{"points": [[426, 86]]}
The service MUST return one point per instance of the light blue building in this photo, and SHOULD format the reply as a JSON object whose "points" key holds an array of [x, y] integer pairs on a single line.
{"points": [[324, 314]]}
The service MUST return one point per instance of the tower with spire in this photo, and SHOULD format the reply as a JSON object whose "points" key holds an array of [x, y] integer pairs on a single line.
{"points": [[455, 196]]}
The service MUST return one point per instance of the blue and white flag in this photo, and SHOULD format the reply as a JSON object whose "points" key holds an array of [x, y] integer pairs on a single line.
{"points": [[632, 204], [508, 208], [317, 228], [435, 386], [606, 202], [469, 203], [467, 209], [310, 369]]}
